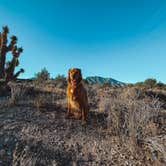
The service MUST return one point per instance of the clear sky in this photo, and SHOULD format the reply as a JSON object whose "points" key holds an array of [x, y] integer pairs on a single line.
{"points": [[121, 39]]}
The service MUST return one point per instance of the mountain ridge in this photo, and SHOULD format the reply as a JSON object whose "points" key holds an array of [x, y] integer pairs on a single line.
{"points": [[103, 80]]}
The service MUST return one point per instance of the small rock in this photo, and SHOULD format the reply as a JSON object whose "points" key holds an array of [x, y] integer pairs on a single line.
{"points": [[2, 153], [6, 140]]}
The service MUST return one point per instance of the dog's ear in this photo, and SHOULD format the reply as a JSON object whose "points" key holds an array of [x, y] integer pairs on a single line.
{"points": [[68, 77], [80, 74]]}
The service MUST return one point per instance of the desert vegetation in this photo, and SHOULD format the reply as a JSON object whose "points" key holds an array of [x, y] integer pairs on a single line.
{"points": [[126, 124], [150, 83], [7, 67]]}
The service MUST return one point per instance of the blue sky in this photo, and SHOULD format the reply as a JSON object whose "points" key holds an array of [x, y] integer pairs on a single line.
{"points": [[122, 39]]}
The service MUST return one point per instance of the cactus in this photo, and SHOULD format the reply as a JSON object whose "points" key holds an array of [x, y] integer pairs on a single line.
{"points": [[3, 50], [7, 68]]}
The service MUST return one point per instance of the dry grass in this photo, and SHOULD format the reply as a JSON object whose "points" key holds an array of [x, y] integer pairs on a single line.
{"points": [[123, 128], [17, 92], [130, 116]]}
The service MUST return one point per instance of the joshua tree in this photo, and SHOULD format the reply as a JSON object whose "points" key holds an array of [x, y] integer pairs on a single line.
{"points": [[7, 68]]}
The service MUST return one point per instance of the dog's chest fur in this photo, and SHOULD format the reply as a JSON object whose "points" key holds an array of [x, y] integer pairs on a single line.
{"points": [[74, 98]]}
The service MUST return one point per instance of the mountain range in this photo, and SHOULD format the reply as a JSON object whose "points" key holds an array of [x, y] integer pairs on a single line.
{"points": [[101, 80]]}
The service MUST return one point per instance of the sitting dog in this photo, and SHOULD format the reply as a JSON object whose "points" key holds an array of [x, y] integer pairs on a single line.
{"points": [[77, 100]]}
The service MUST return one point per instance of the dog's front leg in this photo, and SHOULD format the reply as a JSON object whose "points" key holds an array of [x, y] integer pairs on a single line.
{"points": [[68, 109], [83, 116]]}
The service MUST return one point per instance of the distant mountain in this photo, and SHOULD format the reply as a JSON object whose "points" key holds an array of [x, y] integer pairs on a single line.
{"points": [[101, 80]]}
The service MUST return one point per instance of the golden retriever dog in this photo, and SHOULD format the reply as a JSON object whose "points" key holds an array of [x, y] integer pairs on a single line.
{"points": [[77, 100]]}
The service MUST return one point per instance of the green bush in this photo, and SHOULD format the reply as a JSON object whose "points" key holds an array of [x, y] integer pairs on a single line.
{"points": [[150, 82], [42, 76], [139, 84]]}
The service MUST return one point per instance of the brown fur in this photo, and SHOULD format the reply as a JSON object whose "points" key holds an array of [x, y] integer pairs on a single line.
{"points": [[77, 99]]}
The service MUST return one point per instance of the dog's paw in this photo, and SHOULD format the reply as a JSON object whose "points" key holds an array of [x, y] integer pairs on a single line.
{"points": [[83, 123]]}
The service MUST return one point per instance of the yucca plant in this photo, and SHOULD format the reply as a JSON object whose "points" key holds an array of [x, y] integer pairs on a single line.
{"points": [[7, 69]]}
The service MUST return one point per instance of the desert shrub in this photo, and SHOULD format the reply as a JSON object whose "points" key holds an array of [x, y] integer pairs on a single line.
{"points": [[43, 102], [140, 115], [60, 81], [130, 85], [130, 116], [150, 82], [139, 84], [40, 102], [60, 77], [42, 76], [17, 92]]}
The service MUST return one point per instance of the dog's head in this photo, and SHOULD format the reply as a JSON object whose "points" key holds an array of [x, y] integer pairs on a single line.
{"points": [[74, 76]]}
